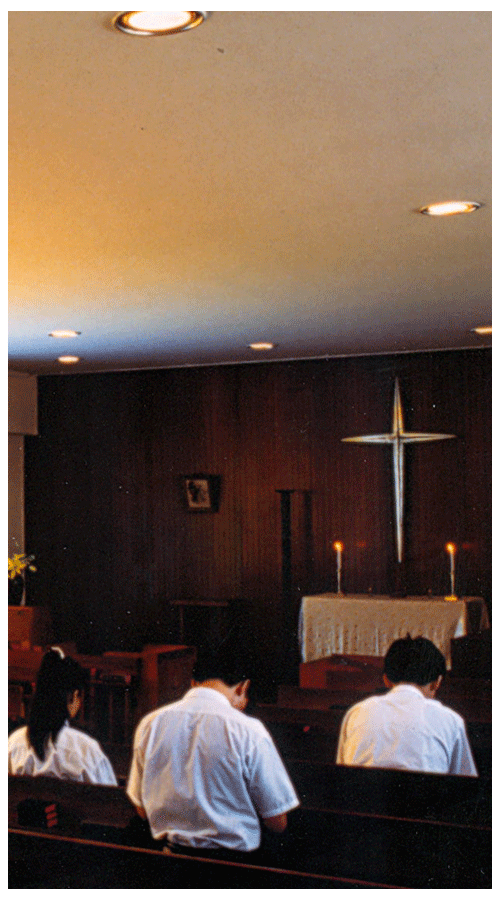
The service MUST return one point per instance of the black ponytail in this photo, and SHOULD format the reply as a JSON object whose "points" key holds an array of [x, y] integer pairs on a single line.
{"points": [[58, 677]]}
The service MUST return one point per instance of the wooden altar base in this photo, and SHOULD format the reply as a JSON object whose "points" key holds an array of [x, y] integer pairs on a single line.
{"points": [[471, 657], [343, 672]]}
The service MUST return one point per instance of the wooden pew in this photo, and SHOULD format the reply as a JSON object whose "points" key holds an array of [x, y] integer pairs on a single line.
{"points": [[78, 804], [470, 697], [67, 854], [384, 792], [379, 827], [393, 793], [407, 852], [53, 861], [303, 734]]}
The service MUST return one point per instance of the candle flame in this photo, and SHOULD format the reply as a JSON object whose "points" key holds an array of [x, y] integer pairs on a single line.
{"points": [[338, 545], [451, 548]]}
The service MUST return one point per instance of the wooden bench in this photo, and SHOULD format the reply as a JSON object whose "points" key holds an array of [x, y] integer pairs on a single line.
{"points": [[78, 804], [470, 697], [62, 850], [414, 829], [384, 792], [393, 793], [54, 861], [407, 852], [376, 827]]}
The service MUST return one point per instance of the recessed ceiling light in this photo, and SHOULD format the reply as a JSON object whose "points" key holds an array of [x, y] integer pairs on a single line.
{"points": [[68, 360], [483, 329], [262, 345], [450, 208], [64, 334], [153, 23]]}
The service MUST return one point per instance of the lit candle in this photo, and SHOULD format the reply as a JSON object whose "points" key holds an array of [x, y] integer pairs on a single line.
{"points": [[338, 546], [452, 550]]}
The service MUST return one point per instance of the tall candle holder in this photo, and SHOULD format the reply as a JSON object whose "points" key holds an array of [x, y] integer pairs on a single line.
{"points": [[338, 547], [451, 549]]}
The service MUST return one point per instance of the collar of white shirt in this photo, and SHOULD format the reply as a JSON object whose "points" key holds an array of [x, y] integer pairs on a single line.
{"points": [[207, 693], [406, 686]]}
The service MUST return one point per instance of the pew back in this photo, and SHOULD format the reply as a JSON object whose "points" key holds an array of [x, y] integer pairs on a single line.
{"points": [[379, 827], [470, 697], [393, 793], [77, 803], [50, 861]]}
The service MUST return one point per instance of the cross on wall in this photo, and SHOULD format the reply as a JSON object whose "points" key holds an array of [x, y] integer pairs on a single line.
{"points": [[398, 438]]}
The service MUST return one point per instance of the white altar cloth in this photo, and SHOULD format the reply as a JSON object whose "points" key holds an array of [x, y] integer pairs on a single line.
{"points": [[367, 624]]}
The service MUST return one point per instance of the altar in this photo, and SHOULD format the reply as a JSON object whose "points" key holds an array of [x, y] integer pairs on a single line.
{"points": [[367, 624]]}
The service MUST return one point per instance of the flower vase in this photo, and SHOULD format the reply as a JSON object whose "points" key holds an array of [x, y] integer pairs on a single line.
{"points": [[16, 591]]}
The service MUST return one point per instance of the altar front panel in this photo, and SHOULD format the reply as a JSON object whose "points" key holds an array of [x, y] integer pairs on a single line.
{"points": [[366, 625]]}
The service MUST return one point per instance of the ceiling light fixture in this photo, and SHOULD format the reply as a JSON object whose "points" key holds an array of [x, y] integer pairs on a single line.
{"points": [[483, 329], [68, 360], [156, 23], [62, 333], [450, 208], [262, 345]]}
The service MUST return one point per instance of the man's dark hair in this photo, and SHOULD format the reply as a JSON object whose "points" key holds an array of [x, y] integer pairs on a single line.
{"points": [[230, 656], [219, 665], [414, 660]]}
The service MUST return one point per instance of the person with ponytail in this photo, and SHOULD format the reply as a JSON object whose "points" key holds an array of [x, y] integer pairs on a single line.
{"points": [[48, 744]]}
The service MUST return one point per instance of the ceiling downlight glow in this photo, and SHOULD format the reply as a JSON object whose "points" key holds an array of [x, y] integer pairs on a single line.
{"points": [[262, 345], [64, 333], [450, 208], [157, 23]]}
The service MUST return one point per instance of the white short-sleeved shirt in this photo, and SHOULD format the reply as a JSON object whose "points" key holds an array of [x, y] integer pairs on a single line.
{"points": [[405, 730], [74, 757], [204, 772]]}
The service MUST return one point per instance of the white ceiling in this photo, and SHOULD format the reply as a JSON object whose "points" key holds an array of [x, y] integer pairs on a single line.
{"points": [[256, 178]]}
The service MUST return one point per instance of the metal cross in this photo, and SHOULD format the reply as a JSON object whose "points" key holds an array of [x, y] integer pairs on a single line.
{"points": [[398, 438]]}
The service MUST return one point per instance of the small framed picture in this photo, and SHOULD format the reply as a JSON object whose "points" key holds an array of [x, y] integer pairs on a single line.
{"points": [[201, 492]]}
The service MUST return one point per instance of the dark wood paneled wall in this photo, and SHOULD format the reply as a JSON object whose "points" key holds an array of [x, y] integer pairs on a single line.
{"points": [[114, 541]]}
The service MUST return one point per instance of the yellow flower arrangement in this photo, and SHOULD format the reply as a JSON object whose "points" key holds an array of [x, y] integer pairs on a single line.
{"points": [[19, 563]]}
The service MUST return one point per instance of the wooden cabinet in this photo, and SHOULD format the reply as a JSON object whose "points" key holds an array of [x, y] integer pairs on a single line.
{"points": [[123, 686], [29, 625], [167, 673]]}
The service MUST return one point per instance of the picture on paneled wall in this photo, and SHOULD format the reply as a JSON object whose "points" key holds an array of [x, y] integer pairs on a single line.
{"points": [[201, 492]]}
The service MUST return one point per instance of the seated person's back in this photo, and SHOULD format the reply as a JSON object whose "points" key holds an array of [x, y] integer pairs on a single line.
{"points": [[205, 774], [406, 728], [48, 745]]}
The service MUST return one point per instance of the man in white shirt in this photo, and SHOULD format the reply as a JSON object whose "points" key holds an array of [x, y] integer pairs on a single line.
{"points": [[205, 775], [406, 728]]}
